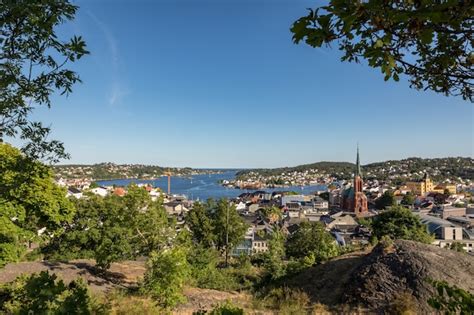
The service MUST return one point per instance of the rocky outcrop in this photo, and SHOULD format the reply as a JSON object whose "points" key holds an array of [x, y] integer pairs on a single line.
{"points": [[404, 269]]}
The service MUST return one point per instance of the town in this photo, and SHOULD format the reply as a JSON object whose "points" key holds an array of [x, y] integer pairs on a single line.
{"points": [[458, 170], [202, 157], [446, 208], [84, 175]]}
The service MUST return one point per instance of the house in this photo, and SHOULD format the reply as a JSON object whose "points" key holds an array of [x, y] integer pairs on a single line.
{"points": [[241, 206], [175, 208], [101, 191], [342, 221], [259, 244], [253, 243], [155, 194], [119, 191], [244, 248], [74, 192], [253, 207]]}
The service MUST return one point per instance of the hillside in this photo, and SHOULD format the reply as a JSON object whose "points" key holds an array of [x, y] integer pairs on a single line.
{"points": [[367, 281], [410, 168], [377, 280], [104, 171]]}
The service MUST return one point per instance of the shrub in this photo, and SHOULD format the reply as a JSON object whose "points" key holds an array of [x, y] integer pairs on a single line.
{"points": [[451, 299], [403, 304], [43, 294], [226, 308], [127, 304], [287, 300], [167, 272]]}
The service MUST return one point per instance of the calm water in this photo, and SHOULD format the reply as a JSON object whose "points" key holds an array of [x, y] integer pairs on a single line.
{"points": [[202, 187]]}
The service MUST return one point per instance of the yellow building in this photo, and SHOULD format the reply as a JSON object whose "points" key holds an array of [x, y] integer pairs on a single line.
{"points": [[440, 188], [421, 187]]}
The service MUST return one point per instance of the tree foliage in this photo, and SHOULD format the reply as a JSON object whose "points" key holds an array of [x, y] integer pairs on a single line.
{"points": [[429, 41], [216, 224], [32, 68], [451, 299], [200, 223], [167, 272], [43, 293], [400, 223], [271, 214], [311, 239], [386, 200], [408, 199], [228, 226], [274, 265], [457, 246], [113, 228], [29, 202]]}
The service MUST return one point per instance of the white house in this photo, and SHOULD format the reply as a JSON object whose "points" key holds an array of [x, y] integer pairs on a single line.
{"points": [[74, 192], [101, 191]]}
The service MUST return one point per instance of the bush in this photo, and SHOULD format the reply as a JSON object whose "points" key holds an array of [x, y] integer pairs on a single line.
{"points": [[451, 299], [287, 300], [226, 308], [404, 304], [167, 272], [207, 274], [43, 294], [126, 304]]}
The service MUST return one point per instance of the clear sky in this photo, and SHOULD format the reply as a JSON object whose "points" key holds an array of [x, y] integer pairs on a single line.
{"points": [[219, 83]]}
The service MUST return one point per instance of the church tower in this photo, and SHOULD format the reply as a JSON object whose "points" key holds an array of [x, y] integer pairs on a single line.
{"points": [[353, 199], [359, 204]]}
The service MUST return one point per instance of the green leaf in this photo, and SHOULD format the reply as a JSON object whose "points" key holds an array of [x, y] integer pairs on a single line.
{"points": [[426, 36]]}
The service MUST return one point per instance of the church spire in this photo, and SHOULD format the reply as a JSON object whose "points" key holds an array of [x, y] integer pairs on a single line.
{"points": [[358, 171]]}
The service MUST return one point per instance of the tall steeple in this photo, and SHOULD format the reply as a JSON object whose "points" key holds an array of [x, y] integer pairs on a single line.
{"points": [[358, 172]]}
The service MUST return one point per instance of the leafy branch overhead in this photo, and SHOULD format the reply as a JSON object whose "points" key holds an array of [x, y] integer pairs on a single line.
{"points": [[430, 41], [32, 68]]}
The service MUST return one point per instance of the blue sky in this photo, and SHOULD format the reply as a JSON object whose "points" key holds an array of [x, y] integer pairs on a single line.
{"points": [[220, 84]]}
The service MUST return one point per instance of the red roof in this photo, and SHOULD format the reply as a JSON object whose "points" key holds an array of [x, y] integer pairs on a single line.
{"points": [[119, 191]]}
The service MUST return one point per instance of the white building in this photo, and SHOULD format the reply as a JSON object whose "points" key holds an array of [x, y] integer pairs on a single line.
{"points": [[101, 191]]}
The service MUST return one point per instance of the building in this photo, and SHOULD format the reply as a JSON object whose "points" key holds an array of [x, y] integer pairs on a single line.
{"points": [[447, 232], [441, 188], [74, 192], [293, 199], [259, 244], [101, 191], [446, 211], [421, 187], [353, 199]]}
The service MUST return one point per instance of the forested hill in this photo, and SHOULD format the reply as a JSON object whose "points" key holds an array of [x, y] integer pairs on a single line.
{"points": [[437, 168], [104, 171]]}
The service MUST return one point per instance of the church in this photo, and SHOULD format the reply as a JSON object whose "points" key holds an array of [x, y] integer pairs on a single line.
{"points": [[353, 199]]}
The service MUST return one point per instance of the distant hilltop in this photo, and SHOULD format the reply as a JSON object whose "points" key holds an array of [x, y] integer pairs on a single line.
{"points": [[413, 168], [106, 171]]}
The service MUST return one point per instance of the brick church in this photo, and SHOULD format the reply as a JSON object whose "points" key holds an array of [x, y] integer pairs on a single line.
{"points": [[353, 199]]}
